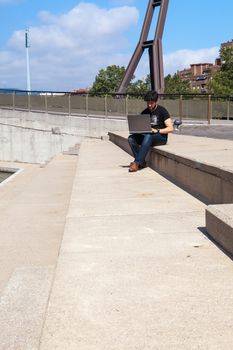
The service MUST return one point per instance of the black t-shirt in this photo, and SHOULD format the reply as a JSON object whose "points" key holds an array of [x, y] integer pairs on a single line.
{"points": [[158, 117]]}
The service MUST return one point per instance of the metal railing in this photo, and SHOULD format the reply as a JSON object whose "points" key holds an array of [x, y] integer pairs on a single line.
{"points": [[194, 107]]}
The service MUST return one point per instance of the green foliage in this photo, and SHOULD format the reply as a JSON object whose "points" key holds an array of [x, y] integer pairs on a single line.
{"points": [[175, 85], [108, 80], [139, 87], [221, 83]]}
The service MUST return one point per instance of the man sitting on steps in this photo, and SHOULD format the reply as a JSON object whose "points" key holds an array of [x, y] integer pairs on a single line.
{"points": [[161, 125]]}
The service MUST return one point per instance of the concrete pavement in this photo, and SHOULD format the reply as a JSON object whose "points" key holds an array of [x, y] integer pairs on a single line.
{"points": [[135, 270], [33, 207]]}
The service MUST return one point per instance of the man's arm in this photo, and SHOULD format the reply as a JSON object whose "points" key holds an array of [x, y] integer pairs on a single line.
{"points": [[169, 127]]}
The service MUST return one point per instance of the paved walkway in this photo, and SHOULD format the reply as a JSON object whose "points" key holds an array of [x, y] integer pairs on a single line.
{"points": [[135, 270], [33, 209]]}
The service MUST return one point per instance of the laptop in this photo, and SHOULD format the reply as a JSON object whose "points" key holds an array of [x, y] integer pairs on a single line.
{"points": [[139, 123]]}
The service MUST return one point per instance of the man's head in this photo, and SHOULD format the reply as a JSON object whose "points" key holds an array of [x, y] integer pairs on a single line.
{"points": [[151, 97]]}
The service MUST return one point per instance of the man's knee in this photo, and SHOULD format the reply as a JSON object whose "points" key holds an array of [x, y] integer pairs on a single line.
{"points": [[130, 139], [148, 139]]}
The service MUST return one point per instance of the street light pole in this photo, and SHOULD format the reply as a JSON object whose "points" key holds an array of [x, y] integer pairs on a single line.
{"points": [[27, 57]]}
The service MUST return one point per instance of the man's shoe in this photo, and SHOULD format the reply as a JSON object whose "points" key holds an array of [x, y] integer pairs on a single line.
{"points": [[142, 166], [133, 167]]}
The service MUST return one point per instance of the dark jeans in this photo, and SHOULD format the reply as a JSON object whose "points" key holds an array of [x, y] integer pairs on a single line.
{"points": [[140, 144]]}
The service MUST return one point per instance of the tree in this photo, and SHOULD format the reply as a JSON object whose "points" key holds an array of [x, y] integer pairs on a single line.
{"points": [[108, 80], [139, 87], [221, 83], [175, 85]]}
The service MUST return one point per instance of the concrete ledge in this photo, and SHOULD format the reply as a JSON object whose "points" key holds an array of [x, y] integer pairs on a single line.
{"points": [[219, 224], [120, 141], [209, 183], [212, 184]]}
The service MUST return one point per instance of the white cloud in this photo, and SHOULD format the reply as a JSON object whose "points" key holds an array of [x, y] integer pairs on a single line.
{"points": [[181, 59], [67, 51], [89, 19]]}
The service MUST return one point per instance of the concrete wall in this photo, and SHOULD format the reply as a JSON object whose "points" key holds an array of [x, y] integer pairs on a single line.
{"points": [[35, 137], [211, 184], [4, 175], [219, 224]]}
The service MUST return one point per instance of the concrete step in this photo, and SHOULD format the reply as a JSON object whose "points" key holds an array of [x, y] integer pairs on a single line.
{"points": [[219, 224], [4, 175], [73, 151], [33, 208], [23, 305], [204, 168]]}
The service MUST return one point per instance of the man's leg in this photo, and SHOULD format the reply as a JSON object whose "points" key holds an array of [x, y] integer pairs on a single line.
{"points": [[135, 141], [148, 141]]}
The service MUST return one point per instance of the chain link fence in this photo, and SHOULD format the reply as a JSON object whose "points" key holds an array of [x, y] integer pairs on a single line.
{"points": [[190, 107]]}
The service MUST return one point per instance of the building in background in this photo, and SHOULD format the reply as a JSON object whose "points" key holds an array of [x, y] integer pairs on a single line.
{"points": [[199, 74], [227, 44], [81, 91]]}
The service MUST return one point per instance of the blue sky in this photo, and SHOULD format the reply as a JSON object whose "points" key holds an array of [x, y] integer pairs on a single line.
{"points": [[70, 41]]}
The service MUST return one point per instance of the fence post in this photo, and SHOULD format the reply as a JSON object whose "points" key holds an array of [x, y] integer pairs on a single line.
{"points": [[228, 109], [126, 105], [181, 107], [13, 100], [46, 102], [87, 107], [106, 105], [69, 106], [209, 109]]}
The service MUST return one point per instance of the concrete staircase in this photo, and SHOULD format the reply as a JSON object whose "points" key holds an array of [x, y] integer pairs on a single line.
{"points": [[134, 270], [73, 151]]}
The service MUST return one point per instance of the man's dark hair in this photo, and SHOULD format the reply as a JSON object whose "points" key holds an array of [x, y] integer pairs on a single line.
{"points": [[151, 96]]}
